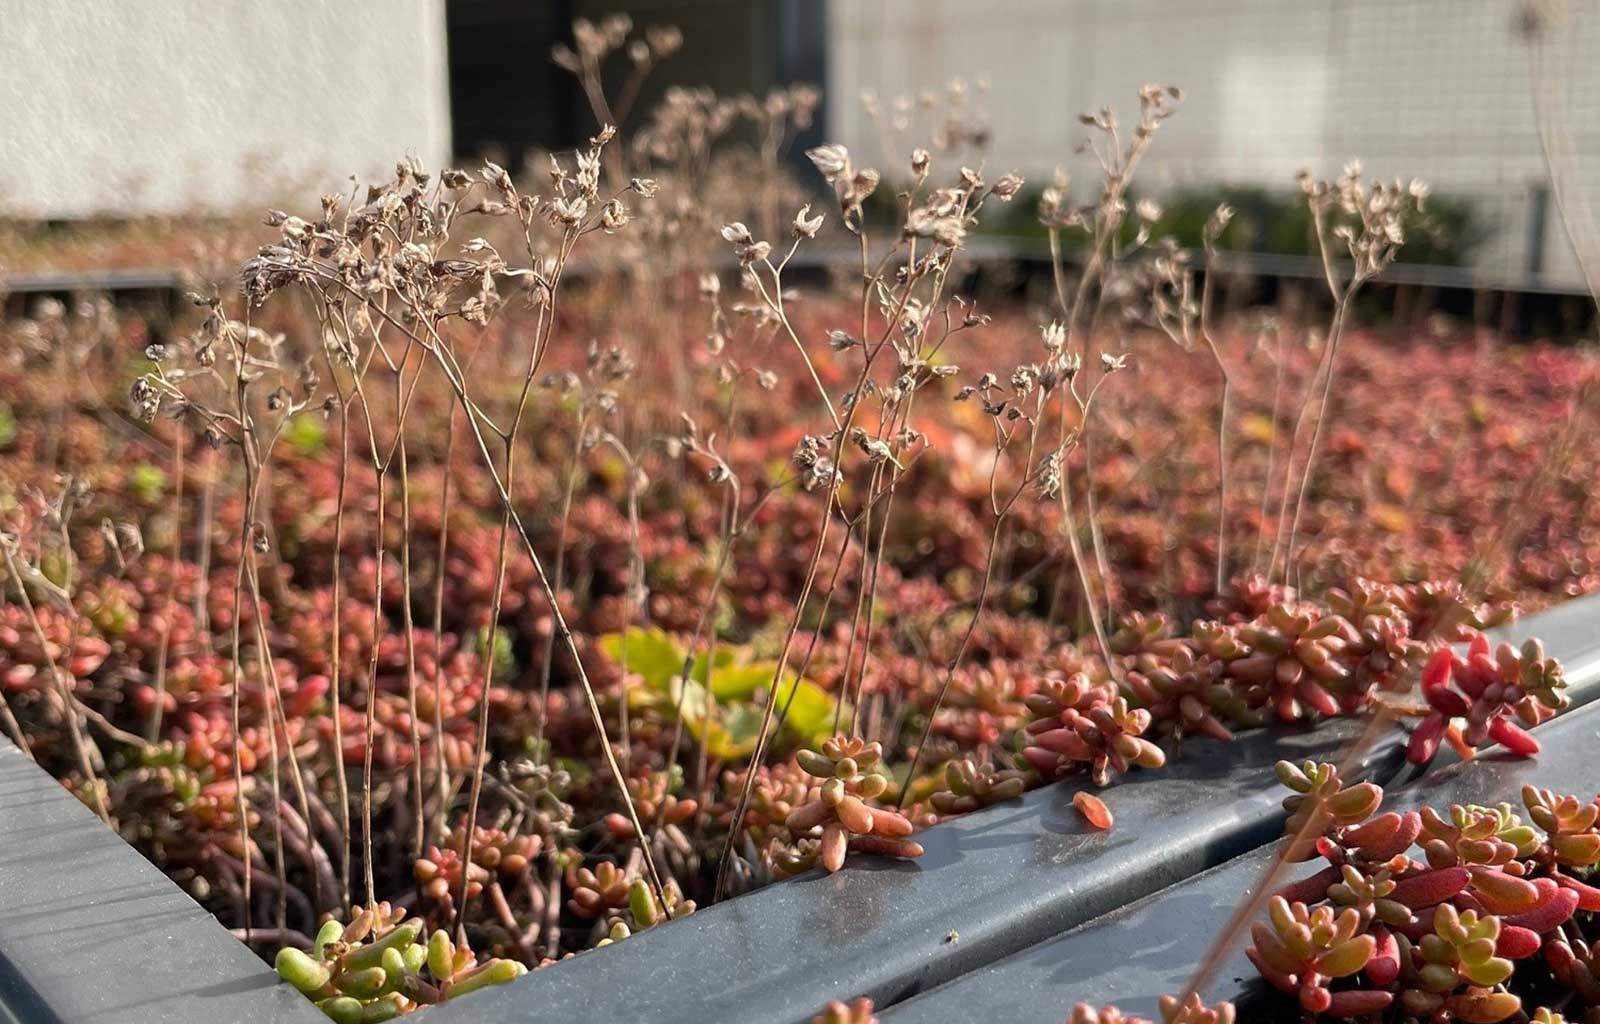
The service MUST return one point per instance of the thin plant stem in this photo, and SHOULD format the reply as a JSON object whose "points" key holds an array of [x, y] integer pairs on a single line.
{"points": [[955, 663], [246, 436], [1206, 293], [1335, 333], [157, 706], [202, 590], [369, 728], [574, 468], [335, 654], [1069, 524], [421, 830], [1272, 453], [441, 782]]}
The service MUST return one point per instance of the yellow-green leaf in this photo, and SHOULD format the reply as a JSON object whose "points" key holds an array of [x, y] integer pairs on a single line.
{"points": [[650, 653], [726, 657], [740, 682], [1257, 428], [811, 712]]}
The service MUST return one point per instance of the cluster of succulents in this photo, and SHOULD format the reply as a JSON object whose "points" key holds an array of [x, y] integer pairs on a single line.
{"points": [[641, 911], [1457, 915], [1081, 723], [1173, 1011], [969, 786], [494, 853], [1489, 696], [1294, 660], [856, 1011], [837, 804], [379, 965]]}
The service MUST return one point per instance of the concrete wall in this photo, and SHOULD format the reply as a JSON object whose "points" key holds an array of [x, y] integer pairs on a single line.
{"points": [[1437, 89], [165, 106]]}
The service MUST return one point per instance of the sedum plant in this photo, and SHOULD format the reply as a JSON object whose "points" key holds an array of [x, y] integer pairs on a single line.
{"points": [[970, 786], [379, 965], [1173, 1011], [837, 805], [1494, 907], [857, 1011], [1492, 696], [1081, 724]]}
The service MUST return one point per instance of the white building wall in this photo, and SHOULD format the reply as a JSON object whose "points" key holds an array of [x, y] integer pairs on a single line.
{"points": [[165, 106], [1436, 89]]}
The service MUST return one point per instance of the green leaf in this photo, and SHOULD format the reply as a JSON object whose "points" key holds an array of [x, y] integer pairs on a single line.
{"points": [[505, 661], [650, 653], [726, 657], [736, 736], [306, 434], [740, 682], [696, 702], [698, 709], [811, 713], [147, 483]]}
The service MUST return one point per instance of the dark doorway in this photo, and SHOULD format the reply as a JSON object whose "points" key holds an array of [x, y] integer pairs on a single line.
{"points": [[507, 97]]}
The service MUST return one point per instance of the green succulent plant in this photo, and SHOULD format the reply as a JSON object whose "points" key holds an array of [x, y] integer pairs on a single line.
{"points": [[378, 966]]}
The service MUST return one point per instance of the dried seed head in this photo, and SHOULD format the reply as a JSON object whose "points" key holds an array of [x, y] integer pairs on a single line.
{"points": [[613, 216], [664, 40], [832, 160], [1007, 187], [806, 227], [1219, 222], [947, 231]]}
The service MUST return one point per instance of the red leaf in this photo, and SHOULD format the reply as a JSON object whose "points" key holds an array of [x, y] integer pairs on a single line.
{"points": [[1588, 895], [1511, 736], [1093, 810], [1313, 889], [1044, 762], [1515, 943], [1549, 915], [1384, 967], [1430, 887], [1313, 694], [1425, 740], [1437, 671]]}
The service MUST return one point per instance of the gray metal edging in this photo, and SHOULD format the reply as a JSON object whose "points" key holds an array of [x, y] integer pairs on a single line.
{"points": [[92, 932]]}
